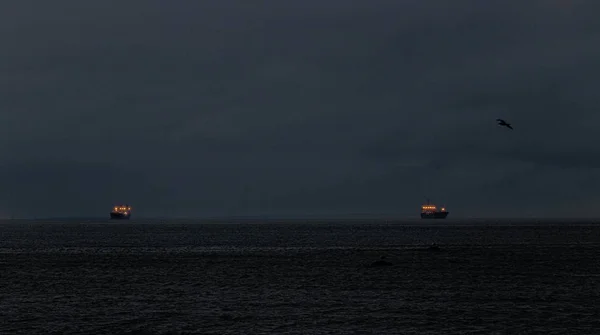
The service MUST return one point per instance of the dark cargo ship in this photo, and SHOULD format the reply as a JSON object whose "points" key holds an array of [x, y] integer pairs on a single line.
{"points": [[430, 211], [121, 212]]}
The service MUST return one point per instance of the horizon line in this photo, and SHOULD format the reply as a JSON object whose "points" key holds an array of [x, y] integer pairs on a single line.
{"points": [[349, 217]]}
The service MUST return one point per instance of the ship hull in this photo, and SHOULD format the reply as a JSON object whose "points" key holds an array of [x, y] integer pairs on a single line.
{"points": [[434, 215], [119, 216]]}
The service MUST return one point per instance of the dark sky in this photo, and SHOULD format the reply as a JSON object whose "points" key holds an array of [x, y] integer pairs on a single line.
{"points": [[237, 107]]}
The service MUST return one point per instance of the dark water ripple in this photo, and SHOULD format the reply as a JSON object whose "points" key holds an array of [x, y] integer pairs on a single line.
{"points": [[298, 278]]}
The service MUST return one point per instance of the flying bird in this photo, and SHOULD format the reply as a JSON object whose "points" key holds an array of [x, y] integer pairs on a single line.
{"points": [[503, 123]]}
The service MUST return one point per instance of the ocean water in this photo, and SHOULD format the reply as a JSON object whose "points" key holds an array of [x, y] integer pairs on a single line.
{"points": [[296, 277]]}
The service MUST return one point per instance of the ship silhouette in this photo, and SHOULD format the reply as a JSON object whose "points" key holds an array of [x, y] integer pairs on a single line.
{"points": [[430, 211], [121, 212]]}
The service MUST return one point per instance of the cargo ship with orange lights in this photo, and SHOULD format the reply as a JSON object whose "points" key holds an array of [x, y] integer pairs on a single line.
{"points": [[430, 211], [121, 212]]}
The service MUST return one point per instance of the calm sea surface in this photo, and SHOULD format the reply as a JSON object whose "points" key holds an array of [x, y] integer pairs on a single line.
{"points": [[295, 277]]}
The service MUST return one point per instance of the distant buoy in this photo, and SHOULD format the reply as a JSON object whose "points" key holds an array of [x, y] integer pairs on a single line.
{"points": [[381, 262]]}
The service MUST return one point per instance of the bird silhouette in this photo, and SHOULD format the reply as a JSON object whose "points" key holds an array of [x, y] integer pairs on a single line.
{"points": [[503, 123]]}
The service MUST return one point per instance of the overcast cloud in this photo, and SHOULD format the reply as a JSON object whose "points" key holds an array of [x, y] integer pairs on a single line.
{"points": [[231, 107]]}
